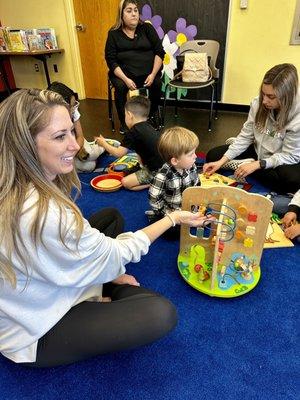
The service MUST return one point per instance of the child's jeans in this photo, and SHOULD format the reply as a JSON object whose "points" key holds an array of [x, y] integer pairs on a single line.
{"points": [[281, 202]]}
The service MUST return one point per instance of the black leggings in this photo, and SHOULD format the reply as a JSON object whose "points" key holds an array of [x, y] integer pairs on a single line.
{"points": [[135, 317], [282, 179], [121, 91]]}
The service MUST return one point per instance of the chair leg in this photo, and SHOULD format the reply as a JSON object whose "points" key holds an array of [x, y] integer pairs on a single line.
{"points": [[216, 101], [164, 106], [110, 105], [211, 107], [176, 104]]}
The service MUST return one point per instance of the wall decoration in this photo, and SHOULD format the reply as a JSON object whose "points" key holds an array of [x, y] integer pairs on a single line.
{"points": [[183, 21], [295, 36]]}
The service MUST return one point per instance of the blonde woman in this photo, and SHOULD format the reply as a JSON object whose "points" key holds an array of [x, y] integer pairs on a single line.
{"points": [[268, 146], [52, 260], [134, 55]]}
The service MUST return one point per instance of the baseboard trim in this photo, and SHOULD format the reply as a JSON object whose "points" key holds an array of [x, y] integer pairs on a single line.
{"points": [[202, 104]]}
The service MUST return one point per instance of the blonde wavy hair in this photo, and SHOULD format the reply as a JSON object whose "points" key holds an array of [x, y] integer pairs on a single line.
{"points": [[22, 116], [284, 80], [119, 19], [176, 141]]}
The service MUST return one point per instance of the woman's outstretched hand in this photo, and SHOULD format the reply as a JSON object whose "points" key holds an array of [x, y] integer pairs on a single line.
{"points": [[189, 218]]}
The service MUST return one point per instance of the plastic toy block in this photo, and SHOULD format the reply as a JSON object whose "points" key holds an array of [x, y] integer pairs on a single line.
{"points": [[250, 230], [239, 235], [240, 222], [248, 242], [242, 209], [200, 232], [252, 217]]}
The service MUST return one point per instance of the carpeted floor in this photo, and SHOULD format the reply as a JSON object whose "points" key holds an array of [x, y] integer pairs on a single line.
{"points": [[244, 348]]}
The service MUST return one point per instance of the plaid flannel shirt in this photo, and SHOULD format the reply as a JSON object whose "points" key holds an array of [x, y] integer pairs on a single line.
{"points": [[165, 193]]}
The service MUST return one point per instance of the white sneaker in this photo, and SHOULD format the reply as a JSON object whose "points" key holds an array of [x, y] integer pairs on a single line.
{"points": [[230, 140], [234, 164]]}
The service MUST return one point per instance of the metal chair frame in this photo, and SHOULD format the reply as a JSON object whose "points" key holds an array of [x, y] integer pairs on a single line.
{"points": [[110, 104], [211, 47]]}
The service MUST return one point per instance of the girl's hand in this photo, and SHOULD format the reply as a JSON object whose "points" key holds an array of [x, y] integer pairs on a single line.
{"points": [[246, 169], [100, 140], [289, 219], [292, 232], [126, 279]]}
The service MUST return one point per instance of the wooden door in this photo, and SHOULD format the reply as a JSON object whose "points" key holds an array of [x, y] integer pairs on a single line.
{"points": [[96, 17]]}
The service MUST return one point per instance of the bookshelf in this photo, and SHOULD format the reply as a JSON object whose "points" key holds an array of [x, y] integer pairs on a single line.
{"points": [[41, 55]]}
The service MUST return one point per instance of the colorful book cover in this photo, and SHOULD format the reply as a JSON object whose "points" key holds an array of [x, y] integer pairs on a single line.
{"points": [[4, 43], [34, 42], [48, 38], [18, 41]]}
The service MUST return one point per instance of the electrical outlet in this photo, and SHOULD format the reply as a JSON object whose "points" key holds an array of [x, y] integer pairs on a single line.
{"points": [[55, 67], [36, 67]]}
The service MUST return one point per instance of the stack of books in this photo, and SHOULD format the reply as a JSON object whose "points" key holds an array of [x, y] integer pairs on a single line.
{"points": [[27, 39]]}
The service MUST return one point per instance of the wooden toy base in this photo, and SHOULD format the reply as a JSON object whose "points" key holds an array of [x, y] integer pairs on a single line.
{"points": [[232, 284], [222, 257]]}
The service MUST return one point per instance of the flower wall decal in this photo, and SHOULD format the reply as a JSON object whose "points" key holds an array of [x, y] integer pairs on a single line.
{"points": [[171, 43], [169, 63], [183, 32], [155, 20]]}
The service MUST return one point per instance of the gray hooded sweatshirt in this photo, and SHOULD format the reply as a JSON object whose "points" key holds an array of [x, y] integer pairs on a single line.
{"points": [[277, 148]]}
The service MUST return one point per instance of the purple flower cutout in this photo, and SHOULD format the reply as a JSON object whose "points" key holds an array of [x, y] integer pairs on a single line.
{"points": [[183, 33], [156, 20]]}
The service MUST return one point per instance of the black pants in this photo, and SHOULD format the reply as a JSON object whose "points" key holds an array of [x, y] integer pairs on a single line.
{"points": [[135, 316], [121, 91], [282, 179]]}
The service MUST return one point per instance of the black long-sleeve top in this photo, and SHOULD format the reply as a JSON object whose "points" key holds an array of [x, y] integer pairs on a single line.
{"points": [[134, 56]]}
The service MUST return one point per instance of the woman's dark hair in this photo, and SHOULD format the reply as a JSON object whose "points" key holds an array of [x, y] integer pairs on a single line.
{"points": [[119, 18], [63, 90]]}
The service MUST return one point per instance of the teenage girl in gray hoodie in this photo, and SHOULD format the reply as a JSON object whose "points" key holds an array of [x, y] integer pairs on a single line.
{"points": [[268, 146]]}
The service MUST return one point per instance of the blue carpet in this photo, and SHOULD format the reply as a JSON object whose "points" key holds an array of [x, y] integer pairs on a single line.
{"points": [[243, 348]]}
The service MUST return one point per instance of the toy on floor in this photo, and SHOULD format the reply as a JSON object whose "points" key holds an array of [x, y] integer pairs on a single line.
{"points": [[220, 180], [107, 183], [125, 165], [222, 257], [275, 236], [87, 162]]}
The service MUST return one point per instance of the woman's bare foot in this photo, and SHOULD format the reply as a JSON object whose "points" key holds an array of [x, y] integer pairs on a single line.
{"points": [[126, 279]]}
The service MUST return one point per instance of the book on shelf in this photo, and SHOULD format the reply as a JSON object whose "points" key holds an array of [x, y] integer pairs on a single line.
{"points": [[48, 37], [17, 40], [35, 42], [27, 39], [4, 40]]}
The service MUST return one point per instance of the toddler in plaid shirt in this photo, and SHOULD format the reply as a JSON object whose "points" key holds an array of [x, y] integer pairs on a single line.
{"points": [[177, 147]]}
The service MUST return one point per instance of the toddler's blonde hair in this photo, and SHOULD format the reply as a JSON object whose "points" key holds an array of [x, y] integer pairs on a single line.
{"points": [[176, 141]]}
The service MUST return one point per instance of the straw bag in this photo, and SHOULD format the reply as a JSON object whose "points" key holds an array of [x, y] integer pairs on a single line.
{"points": [[195, 68]]}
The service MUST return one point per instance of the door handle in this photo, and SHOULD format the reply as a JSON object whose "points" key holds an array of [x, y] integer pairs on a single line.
{"points": [[80, 27]]}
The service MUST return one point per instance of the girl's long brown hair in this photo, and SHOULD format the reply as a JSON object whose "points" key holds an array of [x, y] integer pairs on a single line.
{"points": [[284, 79]]}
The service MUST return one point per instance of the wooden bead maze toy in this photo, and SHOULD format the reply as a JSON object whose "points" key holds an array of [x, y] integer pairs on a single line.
{"points": [[222, 258]]}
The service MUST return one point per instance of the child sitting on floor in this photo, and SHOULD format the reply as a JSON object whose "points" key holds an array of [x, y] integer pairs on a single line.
{"points": [[88, 153], [177, 146], [142, 138], [291, 210]]}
